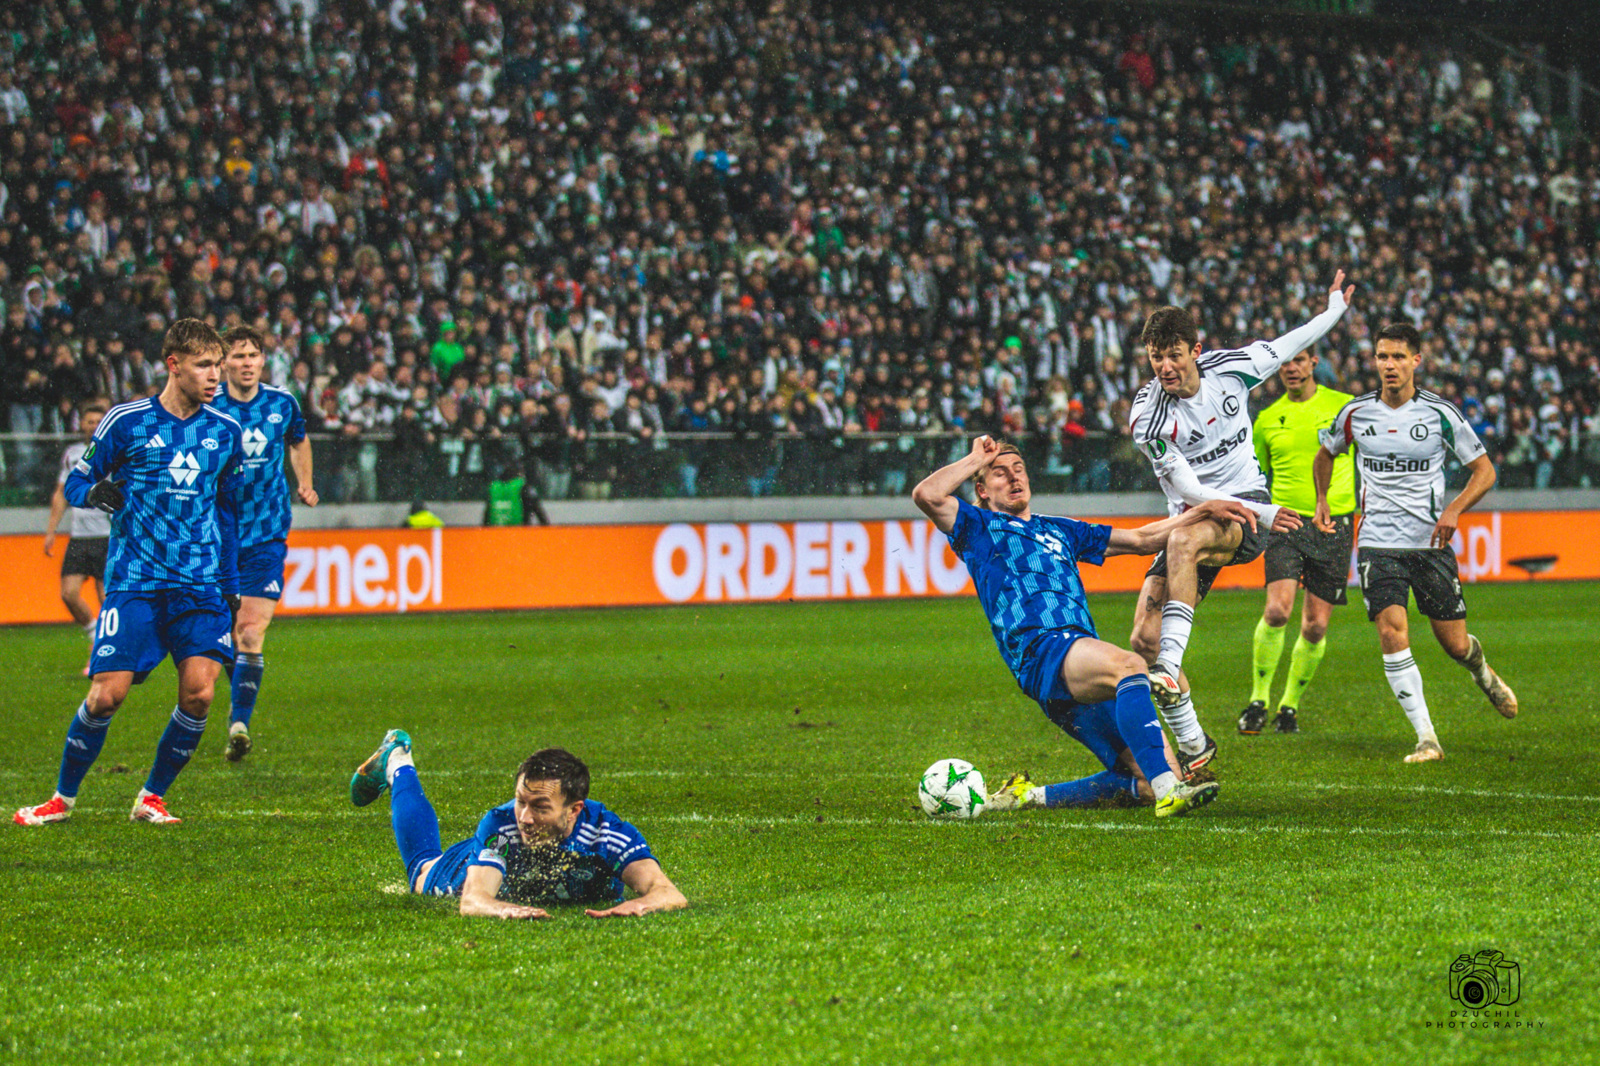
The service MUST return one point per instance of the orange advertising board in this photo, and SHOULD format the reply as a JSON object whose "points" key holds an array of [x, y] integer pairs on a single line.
{"points": [[370, 571]]}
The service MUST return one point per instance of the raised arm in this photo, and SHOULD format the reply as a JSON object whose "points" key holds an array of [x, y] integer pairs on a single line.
{"points": [[1152, 537], [652, 889], [1298, 340], [478, 892], [935, 494], [1481, 481]]}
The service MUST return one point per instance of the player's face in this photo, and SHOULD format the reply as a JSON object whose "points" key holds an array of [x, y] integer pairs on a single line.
{"points": [[1397, 364], [1174, 367], [89, 421], [1005, 484], [197, 374], [244, 365], [1296, 372], [543, 816]]}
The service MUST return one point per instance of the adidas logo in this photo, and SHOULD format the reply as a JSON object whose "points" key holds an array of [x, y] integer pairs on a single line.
{"points": [[184, 469], [1404, 696], [255, 442], [249, 684], [274, 587], [1195, 436], [1370, 431], [226, 640], [74, 742], [155, 442]]}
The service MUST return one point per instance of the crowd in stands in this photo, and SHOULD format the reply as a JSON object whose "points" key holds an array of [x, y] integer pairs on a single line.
{"points": [[494, 235]]}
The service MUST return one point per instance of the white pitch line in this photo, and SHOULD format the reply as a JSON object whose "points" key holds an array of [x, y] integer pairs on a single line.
{"points": [[1001, 824], [1439, 790]]}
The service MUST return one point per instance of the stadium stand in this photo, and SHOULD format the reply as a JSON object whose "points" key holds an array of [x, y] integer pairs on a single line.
{"points": [[676, 249]]}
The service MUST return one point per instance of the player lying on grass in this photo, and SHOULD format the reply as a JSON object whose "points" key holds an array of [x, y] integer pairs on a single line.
{"points": [[1193, 422], [166, 469], [550, 843], [1402, 436], [1025, 568]]}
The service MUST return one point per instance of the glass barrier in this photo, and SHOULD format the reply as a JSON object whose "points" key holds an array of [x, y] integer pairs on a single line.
{"points": [[385, 467]]}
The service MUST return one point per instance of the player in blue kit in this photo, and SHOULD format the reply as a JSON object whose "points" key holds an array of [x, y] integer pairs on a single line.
{"points": [[166, 469], [550, 844], [1025, 569], [273, 425]]}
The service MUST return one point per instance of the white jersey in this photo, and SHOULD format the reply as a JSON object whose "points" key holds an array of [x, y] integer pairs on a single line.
{"points": [[1401, 455], [1211, 430], [86, 521]]}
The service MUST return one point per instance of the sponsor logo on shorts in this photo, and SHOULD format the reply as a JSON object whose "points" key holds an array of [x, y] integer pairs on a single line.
{"points": [[105, 649], [273, 587], [226, 640]]}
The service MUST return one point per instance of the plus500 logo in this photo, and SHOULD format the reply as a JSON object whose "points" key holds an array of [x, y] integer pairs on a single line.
{"points": [[320, 578]]}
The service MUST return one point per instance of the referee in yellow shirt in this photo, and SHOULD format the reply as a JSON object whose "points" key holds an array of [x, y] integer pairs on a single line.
{"points": [[1286, 443]]}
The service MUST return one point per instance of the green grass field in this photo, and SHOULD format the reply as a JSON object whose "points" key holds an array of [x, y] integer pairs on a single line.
{"points": [[771, 754]]}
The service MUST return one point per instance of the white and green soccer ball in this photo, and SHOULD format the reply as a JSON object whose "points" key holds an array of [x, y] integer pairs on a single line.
{"points": [[951, 788]]}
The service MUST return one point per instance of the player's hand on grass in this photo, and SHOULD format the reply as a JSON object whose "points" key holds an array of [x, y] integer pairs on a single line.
{"points": [[107, 495], [514, 911], [1285, 521], [1335, 290], [307, 494], [1445, 529], [633, 908], [1323, 519]]}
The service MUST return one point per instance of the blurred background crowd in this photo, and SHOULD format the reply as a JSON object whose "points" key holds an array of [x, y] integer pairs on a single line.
{"points": [[645, 249]]}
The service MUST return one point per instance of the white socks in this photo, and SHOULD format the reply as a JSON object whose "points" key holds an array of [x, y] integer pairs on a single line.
{"points": [[1185, 725], [1164, 783], [1406, 682], [397, 758], [1177, 620]]}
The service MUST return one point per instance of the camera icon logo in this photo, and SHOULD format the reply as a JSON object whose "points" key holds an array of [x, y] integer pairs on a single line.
{"points": [[1487, 979]]}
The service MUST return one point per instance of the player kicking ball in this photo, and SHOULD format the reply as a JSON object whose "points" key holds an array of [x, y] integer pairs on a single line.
{"points": [[1025, 569], [1402, 435], [273, 424], [1193, 422], [166, 469], [550, 843], [1286, 443]]}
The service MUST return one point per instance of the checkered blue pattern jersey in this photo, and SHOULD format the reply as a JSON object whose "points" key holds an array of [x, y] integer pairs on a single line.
{"points": [[1026, 573], [178, 527], [271, 420], [583, 868]]}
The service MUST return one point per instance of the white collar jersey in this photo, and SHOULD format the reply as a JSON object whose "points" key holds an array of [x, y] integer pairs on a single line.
{"points": [[1401, 453], [1211, 430]]}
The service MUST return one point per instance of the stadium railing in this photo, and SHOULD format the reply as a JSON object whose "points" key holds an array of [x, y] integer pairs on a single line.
{"points": [[383, 467]]}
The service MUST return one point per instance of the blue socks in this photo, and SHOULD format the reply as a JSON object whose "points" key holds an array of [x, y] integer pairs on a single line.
{"points": [[248, 666], [85, 737], [174, 751], [416, 827], [1140, 727], [1087, 790]]}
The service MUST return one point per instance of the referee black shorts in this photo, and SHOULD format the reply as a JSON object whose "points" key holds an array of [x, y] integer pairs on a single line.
{"points": [[1319, 561]]}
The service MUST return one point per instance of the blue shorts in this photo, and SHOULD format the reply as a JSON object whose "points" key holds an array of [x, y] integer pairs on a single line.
{"points": [[261, 569], [136, 630], [449, 873], [1039, 674], [1094, 725]]}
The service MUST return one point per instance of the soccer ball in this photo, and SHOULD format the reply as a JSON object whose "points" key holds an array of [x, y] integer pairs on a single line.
{"points": [[951, 788]]}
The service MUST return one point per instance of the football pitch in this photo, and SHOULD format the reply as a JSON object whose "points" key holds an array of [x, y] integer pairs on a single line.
{"points": [[770, 755]]}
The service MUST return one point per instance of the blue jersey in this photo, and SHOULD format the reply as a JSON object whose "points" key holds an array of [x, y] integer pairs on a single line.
{"points": [[270, 421], [1026, 574], [583, 868], [178, 527]]}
